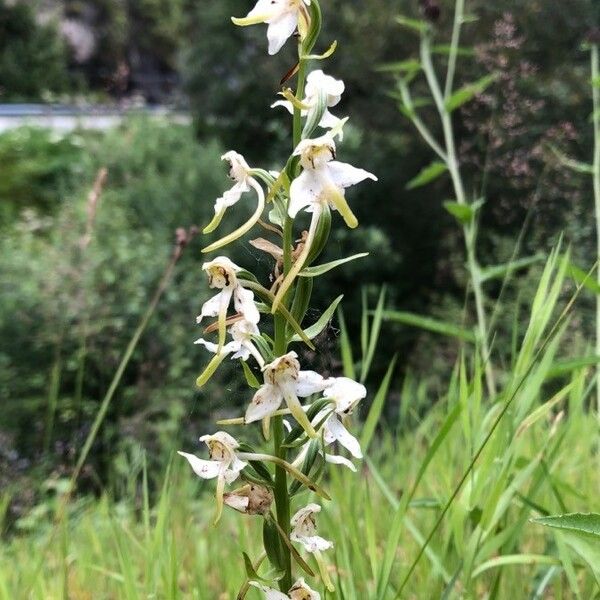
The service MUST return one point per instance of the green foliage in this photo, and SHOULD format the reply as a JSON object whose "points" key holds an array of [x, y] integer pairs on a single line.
{"points": [[33, 57], [38, 169], [74, 305]]}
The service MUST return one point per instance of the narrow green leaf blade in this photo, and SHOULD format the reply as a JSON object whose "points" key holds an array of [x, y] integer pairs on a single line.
{"points": [[426, 175], [434, 325], [468, 92], [320, 269], [314, 330]]}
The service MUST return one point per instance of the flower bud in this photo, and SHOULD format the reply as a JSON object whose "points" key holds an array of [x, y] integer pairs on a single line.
{"points": [[250, 499]]}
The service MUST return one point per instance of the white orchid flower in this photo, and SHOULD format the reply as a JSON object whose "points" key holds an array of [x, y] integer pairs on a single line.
{"points": [[283, 17], [322, 182], [285, 381], [299, 591], [304, 531], [345, 394], [224, 464], [241, 173], [318, 83], [222, 275], [323, 179], [241, 346]]}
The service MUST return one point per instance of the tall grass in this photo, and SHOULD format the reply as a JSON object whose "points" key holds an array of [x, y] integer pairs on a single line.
{"points": [[407, 528]]}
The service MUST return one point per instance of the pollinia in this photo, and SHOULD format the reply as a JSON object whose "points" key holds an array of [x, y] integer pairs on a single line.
{"points": [[303, 415]]}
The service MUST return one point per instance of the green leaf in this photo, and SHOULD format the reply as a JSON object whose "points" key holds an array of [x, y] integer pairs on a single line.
{"points": [[412, 65], [499, 271], [250, 377], [251, 571], [346, 348], [542, 410], [272, 545], [429, 173], [463, 213], [414, 24], [515, 559], [446, 49], [373, 336], [582, 532], [376, 408], [563, 367], [320, 269], [314, 330], [582, 277], [441, 327], [468, 92]]}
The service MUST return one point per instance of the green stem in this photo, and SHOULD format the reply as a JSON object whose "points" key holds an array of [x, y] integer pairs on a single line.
{"points": [[596, 177], [469, 230], [282, 499]]}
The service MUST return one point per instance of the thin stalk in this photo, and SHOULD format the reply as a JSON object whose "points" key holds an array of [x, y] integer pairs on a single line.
{"points": [[282, 499], [470, 229], [596, 178], [458, 19]]}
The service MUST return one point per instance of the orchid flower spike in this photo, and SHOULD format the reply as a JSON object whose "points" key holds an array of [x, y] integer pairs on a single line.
{"points": [[241, 345], [345, 394], [299, 591], [222, 275], [285, 381], [323, 179], [223, 464], [318, 83], [240, 172], [283, 17]]}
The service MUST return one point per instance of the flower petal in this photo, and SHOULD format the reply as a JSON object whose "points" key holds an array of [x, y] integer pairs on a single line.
{"points": [[329, 121], [314, 543], [335, 431], [206, 469], [243, 301], [310, 382], [305, 191], [265, 402], [211, 307], [287, 105], [335, 459], [345, 175], [280, 29], [346, 393], [214, 348], [270, 593]]}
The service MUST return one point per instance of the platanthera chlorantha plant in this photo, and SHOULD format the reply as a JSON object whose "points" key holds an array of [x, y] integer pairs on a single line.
{"points": [[304, 416]]}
